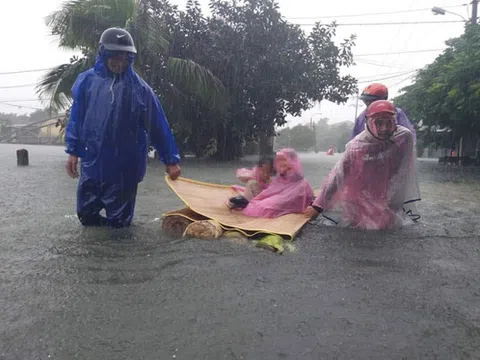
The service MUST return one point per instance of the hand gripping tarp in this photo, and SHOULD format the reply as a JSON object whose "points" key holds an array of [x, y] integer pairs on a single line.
{"points": [[206, 200]]}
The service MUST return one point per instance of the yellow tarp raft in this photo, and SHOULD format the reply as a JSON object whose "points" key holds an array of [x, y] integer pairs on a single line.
{"points": [[205, 201]]}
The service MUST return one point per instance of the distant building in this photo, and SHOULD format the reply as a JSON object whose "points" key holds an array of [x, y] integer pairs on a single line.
{"points": [[467, 146], [38, 133]]}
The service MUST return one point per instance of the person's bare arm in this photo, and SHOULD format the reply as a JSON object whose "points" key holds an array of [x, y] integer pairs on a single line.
{"points": [[330, 186]]}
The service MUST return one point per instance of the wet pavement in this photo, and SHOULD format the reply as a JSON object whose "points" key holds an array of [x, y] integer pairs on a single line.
{"points": [[67, 292]]}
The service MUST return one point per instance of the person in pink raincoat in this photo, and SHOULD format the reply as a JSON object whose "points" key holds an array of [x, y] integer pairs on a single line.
{"points": [[288, 192], [256, 179], [374, 184]]}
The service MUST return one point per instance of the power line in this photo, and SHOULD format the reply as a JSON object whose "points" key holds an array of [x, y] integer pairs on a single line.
{"points": [[325, 17], [23, 71], [374, 63], [397, 35], [9, 138], [394, 23], [359, 55], [10, 103], [400, 52], [387, 78], [17, 86], [20, 106], [24, 100], [401, 81], [398, 73], [371, 14], [59, 116]]}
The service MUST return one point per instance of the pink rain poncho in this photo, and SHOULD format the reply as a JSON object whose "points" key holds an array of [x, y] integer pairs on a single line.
{"points": [[372, 184], [255, 183], [286, 194], [245, 175]]}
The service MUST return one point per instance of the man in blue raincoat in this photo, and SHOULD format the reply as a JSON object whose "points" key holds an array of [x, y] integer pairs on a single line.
{"points": [[113, 111], [374, 92]]}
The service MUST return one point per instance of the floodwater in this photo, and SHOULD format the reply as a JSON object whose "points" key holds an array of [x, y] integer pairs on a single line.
{"points": [[67, 292]]}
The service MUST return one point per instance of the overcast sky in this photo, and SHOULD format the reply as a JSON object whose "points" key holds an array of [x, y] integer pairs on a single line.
{"points": [[26, 44]]}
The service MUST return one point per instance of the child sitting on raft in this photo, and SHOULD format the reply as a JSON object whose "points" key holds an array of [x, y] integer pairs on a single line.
{"points": [[288, 192], [256, 179]]}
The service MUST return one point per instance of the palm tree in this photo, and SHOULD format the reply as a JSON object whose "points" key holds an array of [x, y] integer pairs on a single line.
{"points": [[79, 24]]}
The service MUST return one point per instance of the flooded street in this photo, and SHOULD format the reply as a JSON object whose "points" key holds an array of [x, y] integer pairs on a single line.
{"points": [[68, 292]]}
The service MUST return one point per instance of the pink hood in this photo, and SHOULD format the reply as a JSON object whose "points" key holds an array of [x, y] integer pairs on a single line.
{"points": [[373, 182], [286, 194]]}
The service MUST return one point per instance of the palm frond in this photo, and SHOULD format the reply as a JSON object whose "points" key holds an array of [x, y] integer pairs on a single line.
{"points": [[195, 79], [79, 23], [55, 86], [148, 32]]}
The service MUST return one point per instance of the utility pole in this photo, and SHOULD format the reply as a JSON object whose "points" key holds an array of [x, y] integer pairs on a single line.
{"points": [[474, 11], [312, 128], [356, 108]]}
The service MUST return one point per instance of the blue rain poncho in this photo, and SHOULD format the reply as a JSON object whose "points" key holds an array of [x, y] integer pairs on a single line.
{"points": [[110, 120]]}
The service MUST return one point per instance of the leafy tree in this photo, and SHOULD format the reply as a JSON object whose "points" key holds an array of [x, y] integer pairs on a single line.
{"points": [[322, 132], [446, 93], [10, 119], [79, 24], [261, 67], [300, 137], [272, 68], [322, 137], [340, 134]]}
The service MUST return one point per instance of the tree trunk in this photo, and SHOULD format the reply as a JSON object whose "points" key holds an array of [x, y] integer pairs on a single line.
{"points": [[228, 145], [266, 144]]}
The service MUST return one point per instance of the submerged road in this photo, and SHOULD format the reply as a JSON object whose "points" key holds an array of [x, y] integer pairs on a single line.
{"points": [[67, 292]]}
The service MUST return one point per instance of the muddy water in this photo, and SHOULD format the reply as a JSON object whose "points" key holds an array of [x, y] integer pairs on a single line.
{"points": [[72, 293]]}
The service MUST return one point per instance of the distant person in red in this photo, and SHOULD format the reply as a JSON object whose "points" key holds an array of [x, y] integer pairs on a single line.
{"points": [[374, 183]]}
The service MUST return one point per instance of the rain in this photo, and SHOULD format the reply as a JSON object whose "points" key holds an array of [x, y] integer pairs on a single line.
{"points": [[69, 291]]}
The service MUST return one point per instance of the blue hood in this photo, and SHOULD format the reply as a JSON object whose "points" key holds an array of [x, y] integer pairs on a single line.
{"points": [[110, 120], [101, 67]]}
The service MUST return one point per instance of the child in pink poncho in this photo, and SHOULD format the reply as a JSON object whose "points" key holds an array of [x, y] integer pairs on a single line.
{"points": [[288, 192], [374, 184], [256, 179]]}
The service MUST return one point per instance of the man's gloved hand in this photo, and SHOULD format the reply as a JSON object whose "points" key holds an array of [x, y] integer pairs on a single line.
{"points": [[173, 171]]}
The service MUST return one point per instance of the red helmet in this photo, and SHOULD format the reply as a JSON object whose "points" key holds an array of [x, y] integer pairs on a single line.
{"points": [[381, 106], [374, 92]]}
